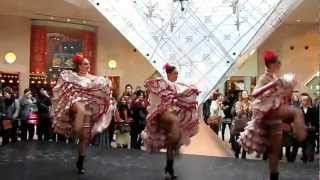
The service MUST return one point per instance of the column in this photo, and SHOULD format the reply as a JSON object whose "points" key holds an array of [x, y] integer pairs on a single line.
{"points": [[38, 49]]}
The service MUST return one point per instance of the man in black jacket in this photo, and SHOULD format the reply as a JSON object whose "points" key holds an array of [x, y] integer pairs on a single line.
{"points": [[8, 113], [139, 115], [310, 117], [44, 107], [206, 110]]}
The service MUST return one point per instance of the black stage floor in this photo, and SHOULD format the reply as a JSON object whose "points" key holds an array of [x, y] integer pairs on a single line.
{"points": [[50, 161]]}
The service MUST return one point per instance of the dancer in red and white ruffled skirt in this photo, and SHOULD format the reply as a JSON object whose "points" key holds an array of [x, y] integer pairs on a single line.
{"points": [[172, 116], [270, 108], [81, 105]]}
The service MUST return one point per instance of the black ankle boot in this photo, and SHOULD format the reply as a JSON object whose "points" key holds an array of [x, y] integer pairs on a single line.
{"points": [[80, 165], [169, 171], [274, 176]]}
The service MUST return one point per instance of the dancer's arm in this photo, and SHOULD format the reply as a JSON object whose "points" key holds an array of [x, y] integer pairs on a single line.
{"points": [[259, 91]]}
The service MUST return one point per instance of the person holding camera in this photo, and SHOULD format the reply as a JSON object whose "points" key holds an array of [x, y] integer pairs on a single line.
{"points": [[9, 114], [139, 114]]}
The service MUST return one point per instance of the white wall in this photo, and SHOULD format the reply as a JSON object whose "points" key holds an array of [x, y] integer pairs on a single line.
{"points": [[132, 68], [15, 36], [249, 67]]}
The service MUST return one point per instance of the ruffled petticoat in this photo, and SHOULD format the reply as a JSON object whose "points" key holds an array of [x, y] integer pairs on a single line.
{"points": [[92, 90], [165, 96], [255, 137]]}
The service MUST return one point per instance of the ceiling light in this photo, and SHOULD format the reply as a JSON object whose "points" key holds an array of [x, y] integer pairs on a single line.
{"points": [[52, 18], [112, 64], [298, 20], [68, 20], [10, 57]]}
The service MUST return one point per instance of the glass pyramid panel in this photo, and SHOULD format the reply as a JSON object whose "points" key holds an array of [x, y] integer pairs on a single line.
{"points": [[203, 40]]}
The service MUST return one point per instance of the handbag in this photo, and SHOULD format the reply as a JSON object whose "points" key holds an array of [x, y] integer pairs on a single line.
{"points": [[214, 120], [238, 125], [33, 118], [6, 124]]}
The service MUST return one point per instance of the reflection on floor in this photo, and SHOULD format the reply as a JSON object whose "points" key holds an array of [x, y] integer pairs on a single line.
{"points": [[207, 143]]}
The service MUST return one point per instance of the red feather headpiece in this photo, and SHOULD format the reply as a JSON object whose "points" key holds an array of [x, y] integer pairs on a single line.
{"points": [[270, 56], [77, 58], [166, 66]]}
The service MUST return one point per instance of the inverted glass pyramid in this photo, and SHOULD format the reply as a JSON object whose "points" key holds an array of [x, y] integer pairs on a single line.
{"points": [[203, 38]]}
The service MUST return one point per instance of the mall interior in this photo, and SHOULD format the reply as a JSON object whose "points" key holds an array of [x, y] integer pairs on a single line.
{"points": [[217, 46]]}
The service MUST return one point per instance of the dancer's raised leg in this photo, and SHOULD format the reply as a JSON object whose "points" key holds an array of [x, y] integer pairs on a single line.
{"points": [[169, 122]]}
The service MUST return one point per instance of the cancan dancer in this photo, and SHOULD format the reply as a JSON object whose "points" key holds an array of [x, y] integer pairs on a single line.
{"points": [[270, 108], [172, 116], [81, 105]]}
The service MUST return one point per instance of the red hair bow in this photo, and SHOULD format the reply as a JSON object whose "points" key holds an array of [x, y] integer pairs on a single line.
{"points": [[77, 58], [269, 56], [166, 66]]}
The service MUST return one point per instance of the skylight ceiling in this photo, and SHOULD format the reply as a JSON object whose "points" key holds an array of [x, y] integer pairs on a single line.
{"points": [[203, 40]]}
